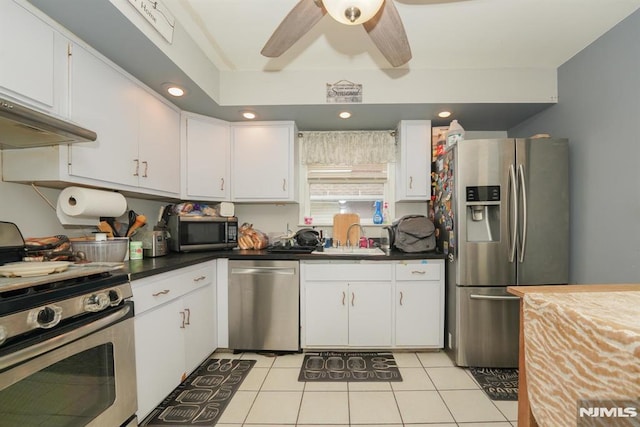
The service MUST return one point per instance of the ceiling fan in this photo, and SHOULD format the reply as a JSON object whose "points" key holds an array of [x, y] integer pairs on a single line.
{"points": [[380, 19]]}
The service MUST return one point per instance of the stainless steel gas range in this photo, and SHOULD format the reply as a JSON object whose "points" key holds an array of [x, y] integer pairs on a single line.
{"points": [[67, 353]]}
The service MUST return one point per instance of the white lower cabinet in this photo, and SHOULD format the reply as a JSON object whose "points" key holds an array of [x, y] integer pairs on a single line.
{"points": [[377, 304], [346, 304], [175, 329]]}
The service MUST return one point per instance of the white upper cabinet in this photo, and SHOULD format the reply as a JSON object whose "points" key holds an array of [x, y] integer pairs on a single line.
{"points": [[413, 165], [105, 101], [264, 162], [138, 140], [32, 60], [159, 145], [205, 158]]}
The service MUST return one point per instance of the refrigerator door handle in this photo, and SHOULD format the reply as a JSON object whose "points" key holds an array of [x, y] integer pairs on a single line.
{"points": [[523, 189], [513, 228], [494, 297]]}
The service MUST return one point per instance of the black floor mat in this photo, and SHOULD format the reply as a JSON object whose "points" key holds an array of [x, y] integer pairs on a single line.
{"points": [[497, 383], [201, 398], [349, 366]]}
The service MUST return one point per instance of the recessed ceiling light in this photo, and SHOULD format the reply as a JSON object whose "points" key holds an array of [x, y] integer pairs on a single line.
{"points": [[444, 114], [344, 114], [173, 89], [249, 115]]}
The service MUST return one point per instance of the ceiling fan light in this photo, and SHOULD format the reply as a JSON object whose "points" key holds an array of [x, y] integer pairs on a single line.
{"points": [[352, 12]]}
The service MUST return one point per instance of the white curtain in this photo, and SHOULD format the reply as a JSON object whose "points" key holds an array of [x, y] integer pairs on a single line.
{"points": [[348, 147]]}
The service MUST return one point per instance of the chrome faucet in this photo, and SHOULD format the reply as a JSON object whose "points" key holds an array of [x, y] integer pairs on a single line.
{"points": [[361, 231]]}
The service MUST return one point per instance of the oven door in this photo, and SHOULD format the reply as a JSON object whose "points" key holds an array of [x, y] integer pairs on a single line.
{"points": [[82, 375]]}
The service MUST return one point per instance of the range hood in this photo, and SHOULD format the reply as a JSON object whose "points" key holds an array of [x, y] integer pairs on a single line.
{"points": [[23, 127]]}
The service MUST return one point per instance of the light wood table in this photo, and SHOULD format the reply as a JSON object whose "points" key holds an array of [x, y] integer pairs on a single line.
{"points": [[525, 416]]}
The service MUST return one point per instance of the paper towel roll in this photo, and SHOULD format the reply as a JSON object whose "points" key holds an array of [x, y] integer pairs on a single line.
{"points": [[85, 206]]}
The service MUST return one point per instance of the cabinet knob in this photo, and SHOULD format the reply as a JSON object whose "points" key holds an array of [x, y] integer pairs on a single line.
{"points": [[136, 173], [221, 184], [284, 184], [188, 311], [166, 291], [146, 169], [418, 272], [200, 278], [411, 182], [353, 298], [182, 314], [344, 295], [401, 297]]}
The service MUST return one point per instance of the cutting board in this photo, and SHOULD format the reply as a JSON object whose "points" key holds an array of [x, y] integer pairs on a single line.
{"points": [[341, 223]]}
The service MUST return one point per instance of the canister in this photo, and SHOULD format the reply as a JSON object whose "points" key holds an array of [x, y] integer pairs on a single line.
{"points": [[135, 250]]}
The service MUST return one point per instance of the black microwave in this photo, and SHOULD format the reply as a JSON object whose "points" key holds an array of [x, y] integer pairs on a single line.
{"points": [[202, 233]]}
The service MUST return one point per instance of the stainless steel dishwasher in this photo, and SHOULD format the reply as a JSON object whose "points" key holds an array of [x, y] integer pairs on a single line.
{"points": [[264, 305]]}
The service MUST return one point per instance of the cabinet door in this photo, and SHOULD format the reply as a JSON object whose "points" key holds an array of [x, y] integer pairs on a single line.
{"points": [[370, 314], [414, 167], [263, 162], [159, 145], [419, 316], [159, 359], [326, 314], [207, 159], [27, 55], [200, 326], [105, 101]]}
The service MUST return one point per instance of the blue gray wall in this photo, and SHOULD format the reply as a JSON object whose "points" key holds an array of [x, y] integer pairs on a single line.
{"points": [[599, 111]]}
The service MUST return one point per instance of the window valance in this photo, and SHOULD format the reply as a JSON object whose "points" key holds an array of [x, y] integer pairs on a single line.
{"points": [[348, 147]]}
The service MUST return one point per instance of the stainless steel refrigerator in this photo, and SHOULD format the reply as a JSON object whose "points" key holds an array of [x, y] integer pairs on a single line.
{"points": [[502, 211]]}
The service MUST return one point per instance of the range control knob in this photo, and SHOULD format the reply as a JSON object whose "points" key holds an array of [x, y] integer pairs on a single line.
{"points": [[115, 297], [96, 302], [45, 317]]}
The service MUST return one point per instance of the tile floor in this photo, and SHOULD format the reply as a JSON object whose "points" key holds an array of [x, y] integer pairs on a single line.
{"points": [[433, 393]]}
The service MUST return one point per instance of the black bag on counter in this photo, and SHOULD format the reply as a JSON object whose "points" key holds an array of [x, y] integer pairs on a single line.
{"points": [[413, 233]]}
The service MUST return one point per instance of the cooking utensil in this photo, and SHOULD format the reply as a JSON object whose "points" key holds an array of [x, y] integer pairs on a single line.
{"points": [[132, 220], [112, 224], [105, 228], [139, 222]]}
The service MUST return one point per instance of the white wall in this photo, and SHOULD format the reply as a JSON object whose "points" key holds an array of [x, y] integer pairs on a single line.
{"points": [[598, 110], [22, 205]]}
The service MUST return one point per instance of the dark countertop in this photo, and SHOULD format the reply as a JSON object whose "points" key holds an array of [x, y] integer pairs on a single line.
{"points": [[139, 269]]}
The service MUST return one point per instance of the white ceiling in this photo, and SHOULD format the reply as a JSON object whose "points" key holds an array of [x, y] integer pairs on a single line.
{"points": [[442, 33], [446, 36]]}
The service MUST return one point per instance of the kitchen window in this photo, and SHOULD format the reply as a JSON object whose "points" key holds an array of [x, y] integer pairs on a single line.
{"points": [[346, 172]]}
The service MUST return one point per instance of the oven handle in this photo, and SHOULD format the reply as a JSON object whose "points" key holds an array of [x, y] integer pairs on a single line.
{"points": [[36, 350]]}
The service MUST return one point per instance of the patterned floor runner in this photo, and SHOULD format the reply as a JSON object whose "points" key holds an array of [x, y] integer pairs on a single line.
{"points": [[349, 366], [201, 398], [497, 383]]}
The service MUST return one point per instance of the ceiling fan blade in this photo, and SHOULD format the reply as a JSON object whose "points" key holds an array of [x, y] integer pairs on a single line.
{"points": [[296, 24], [388, 34]]}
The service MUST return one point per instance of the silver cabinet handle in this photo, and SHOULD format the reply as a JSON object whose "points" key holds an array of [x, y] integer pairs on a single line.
{"points": [[344, 295], [182, 314], [494, 297], [221, 184], [401, 297], [166, 291], [418, 272], [353, 298], [284, 184], [146, 169], [188, 311], [136, 173], [514, 203], [410, 182], [523, 189], [198, 279]]}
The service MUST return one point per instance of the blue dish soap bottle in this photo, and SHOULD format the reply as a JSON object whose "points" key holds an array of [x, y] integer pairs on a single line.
{"points": [[377, 215]]}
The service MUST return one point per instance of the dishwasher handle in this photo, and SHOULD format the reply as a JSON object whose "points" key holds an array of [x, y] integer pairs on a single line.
{"points": [[263, 270]]}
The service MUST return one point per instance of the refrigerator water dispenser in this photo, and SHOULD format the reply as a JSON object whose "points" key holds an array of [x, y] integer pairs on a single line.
{"points": [[483, 214]]}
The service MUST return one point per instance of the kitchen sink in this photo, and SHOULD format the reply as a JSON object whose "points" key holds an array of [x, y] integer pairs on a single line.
{"points": [[351, 251]]}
